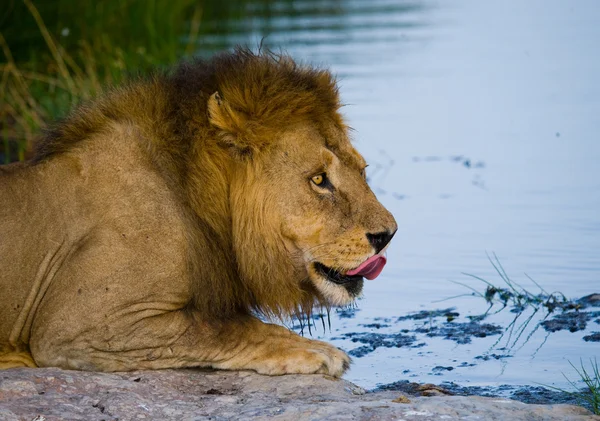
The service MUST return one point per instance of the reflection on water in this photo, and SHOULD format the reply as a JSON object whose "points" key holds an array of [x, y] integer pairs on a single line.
{"points": [[480, 122], [330, 31]]}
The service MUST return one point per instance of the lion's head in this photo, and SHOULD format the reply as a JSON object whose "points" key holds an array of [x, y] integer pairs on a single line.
{"points": [[305, 227], [324, 221]]}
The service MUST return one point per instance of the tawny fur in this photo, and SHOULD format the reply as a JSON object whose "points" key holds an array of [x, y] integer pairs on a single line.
{"points": [[263, 95], [184, 201]]}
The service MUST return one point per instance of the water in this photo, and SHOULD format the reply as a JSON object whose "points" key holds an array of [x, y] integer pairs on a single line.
{"points": [[481, 123]]}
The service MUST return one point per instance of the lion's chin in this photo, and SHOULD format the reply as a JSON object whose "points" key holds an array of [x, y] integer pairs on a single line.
{"points": [[337, 289]]}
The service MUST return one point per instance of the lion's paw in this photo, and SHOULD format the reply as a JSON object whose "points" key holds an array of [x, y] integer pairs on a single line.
{"points": [[302, 357], [310, 360]]}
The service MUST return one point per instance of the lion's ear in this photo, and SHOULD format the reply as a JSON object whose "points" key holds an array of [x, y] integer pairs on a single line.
{"points": [[235, 126]]}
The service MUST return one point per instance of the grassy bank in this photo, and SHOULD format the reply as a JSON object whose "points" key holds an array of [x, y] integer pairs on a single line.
{"points": [[56, 57], [56, 54]]}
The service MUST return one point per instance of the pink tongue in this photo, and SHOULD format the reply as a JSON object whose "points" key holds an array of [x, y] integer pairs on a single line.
{"points": [[370, 268]]}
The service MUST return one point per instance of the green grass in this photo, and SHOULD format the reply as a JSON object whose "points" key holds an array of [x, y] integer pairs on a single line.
{"points": [[44, 74], [589, 395], [511, 294], [529, 310], [54, 54]]}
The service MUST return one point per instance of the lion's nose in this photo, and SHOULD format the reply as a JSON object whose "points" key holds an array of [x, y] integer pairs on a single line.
{"points": [[380, 239]]}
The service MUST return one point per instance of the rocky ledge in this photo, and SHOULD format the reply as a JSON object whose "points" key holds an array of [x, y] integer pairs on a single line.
{"points": [[52, 394]]}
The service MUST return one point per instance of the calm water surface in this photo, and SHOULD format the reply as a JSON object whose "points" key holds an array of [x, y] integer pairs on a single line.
{"points": [[481, 124]]}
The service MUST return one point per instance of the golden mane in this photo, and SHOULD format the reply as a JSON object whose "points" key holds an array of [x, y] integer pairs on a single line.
{"points": [[198, 150], [268, 92]]}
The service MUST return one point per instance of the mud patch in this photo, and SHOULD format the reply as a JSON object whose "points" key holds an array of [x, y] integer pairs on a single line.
{"points": [[525, 394], [441, 368], [592, 300], [373, 341], [594, 337], [447, 328], [449, 313], [573, 321], [488, 357], [461, 333], [375, 325]]}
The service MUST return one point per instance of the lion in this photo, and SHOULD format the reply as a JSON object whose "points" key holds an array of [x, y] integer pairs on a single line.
{"points": [[175, 220]]}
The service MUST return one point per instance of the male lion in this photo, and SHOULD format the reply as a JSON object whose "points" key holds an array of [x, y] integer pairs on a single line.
{"points": [[154, 225]]}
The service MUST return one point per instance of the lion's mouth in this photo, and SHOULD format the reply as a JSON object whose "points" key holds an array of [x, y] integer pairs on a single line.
{"points": [[335, 276], [352, 280]]}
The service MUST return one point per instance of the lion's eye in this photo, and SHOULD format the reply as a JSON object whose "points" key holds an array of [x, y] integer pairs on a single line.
{"points": [[322, 182], [319, 179]]}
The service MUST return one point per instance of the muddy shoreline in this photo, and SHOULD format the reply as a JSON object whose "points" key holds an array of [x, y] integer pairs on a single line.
{"points": [[538, 395], [414, 330]]}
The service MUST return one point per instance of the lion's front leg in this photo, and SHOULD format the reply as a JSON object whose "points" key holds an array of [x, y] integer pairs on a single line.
{"points": [[274, 350], [178, 339]]}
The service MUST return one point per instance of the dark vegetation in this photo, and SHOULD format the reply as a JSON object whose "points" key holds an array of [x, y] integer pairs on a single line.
{"points": [[55, 54]]}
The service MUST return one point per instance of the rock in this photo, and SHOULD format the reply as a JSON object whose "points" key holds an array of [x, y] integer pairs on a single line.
{"points": [[52, 394]]}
